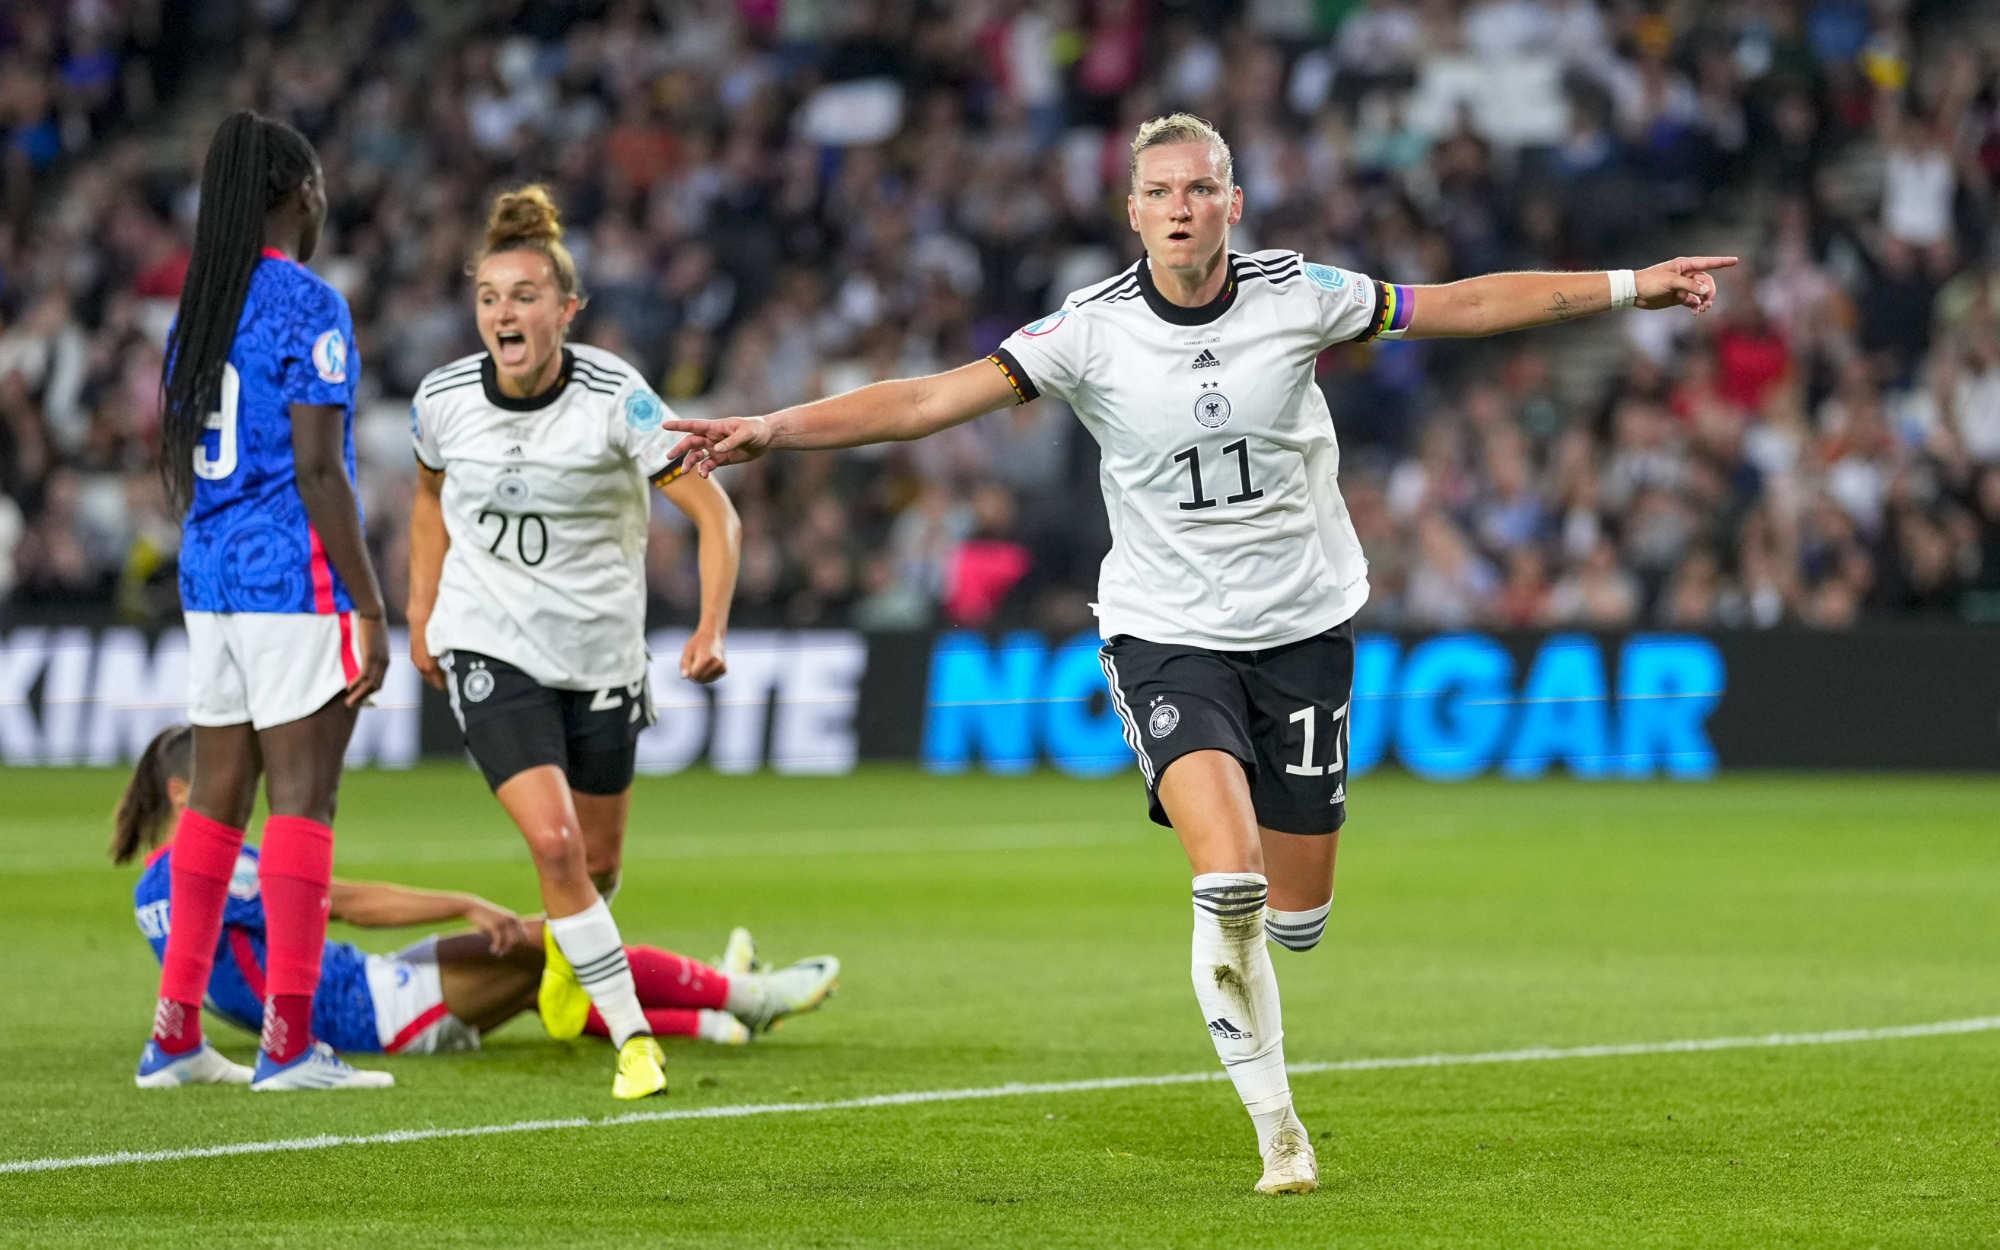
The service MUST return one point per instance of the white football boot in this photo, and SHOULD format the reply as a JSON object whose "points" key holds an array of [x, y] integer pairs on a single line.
{"points": [[1290, 1166]]}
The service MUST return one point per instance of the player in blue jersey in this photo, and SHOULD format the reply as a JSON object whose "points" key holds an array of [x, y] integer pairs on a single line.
{"points": [[284, 616], [443, 992]]}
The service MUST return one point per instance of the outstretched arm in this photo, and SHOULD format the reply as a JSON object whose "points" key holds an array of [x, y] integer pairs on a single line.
{"points": [[883, 412], [719, 549], [1500, 302], [379, 905]]}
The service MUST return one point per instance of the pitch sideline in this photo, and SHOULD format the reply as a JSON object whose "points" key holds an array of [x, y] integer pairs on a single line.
{"points": [[1533, 1054]]}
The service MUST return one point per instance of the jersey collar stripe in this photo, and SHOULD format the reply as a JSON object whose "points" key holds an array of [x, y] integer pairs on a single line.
{"points": [[489, 378], [1129, 285], [436, 391], [1175, 314]]}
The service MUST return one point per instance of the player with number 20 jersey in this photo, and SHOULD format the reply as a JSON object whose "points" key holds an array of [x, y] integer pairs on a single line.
{"points": [[528, 595]]}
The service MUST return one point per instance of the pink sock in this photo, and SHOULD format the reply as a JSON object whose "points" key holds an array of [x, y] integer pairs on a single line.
{"points": [[665, 979], [294, 873], [204, 859], [665, 1022]]}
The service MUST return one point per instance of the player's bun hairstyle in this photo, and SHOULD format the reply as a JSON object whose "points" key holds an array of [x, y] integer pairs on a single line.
{"points": [[527, 220], [143, 811], [1182, 128], [253, 163]]}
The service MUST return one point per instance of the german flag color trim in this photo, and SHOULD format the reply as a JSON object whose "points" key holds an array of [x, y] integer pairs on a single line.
{"points": [[1010, 368]]}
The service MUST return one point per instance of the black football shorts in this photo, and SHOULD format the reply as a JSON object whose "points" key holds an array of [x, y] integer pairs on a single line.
{"points": [[513, 723], [1281, 711]]}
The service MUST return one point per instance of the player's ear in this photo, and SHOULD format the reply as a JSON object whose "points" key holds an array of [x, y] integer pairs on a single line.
{"points": [[1235, 205], [1132, 211]]}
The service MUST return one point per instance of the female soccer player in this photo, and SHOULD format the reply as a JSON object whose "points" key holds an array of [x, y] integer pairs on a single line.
{"points": [[1227, 599], [284, 618], [528, 594], [442, 993]]}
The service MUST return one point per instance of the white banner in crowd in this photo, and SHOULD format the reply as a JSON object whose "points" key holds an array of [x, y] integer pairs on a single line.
{"points": [[83, 696]]}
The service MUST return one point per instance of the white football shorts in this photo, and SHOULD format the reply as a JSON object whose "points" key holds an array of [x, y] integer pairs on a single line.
{"points": [[410, 1015], [268, 668]]}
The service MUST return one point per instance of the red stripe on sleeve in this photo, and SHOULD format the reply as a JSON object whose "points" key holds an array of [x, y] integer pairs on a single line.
{"points": [[246, 959]]}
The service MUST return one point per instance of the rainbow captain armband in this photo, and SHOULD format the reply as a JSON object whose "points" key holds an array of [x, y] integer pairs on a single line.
{"points": [[1393, 317]]}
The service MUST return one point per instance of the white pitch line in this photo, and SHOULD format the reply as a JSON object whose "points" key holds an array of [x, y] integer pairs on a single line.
{"points": [[908, 1098]]}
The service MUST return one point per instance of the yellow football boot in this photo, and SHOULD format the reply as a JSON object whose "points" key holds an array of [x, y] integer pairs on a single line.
{"points": [[640, 1068], [562, 1001]]}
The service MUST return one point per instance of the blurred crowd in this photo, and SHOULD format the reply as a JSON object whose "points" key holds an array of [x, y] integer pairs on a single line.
{"points": [[775, 199]]}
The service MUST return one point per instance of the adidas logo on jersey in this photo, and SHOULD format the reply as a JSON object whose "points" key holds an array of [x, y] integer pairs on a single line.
{"points": [[1223, 1026], [1206, 360], [515, 452]]}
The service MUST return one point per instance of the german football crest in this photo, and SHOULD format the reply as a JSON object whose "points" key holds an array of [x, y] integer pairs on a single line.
{"points": [[1211, 409], [1165, 719], [478, 683]]}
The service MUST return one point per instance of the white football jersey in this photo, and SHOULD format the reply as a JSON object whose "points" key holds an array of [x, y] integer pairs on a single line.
{"points": [[545, 503], [1219, 463]]}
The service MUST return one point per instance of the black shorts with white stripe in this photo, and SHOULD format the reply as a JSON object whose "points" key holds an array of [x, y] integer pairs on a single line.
{"points": [[1281, 711], [513, 723]]}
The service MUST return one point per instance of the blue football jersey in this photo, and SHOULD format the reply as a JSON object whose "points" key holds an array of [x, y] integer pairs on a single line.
{"points": [[343, 1009], [247, 545]]}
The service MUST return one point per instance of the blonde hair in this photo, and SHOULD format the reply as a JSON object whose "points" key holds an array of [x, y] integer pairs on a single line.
{"points": [[527, 220], [1182, 128]]}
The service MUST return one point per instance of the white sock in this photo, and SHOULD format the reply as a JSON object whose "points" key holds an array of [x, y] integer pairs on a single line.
{"points": [[1238, 993], [746, 997], [1297, 930], [590, 941]]}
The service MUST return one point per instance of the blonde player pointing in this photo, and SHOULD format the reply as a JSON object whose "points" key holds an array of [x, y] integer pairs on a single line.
{"points": [[1227, 598], [527, 595]]}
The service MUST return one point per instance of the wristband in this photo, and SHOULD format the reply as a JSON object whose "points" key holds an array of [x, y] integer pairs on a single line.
{"points": [[1624, 288]]}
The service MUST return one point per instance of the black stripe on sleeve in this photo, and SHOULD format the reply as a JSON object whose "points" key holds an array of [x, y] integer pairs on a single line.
{"points": [[675, 467], [1374, 327], [1017, 377]]}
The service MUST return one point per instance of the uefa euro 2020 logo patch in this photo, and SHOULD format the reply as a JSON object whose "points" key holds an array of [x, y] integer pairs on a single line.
{"points": [[1325, 276], [1041, 326], [643, 411], [330, 356]]}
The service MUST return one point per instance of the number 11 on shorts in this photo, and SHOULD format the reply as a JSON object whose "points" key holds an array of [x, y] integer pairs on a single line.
{"points": [[1308, 716]]}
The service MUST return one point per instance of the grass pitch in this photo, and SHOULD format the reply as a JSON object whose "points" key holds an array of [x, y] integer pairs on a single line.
{"points": [[1035, 930]]}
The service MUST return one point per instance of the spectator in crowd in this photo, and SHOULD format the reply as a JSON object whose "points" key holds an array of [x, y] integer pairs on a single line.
{"points": [[775, 201]]}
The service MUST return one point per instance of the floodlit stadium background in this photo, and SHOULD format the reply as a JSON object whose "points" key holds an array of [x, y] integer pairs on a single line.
{"points": [[772, 201]]}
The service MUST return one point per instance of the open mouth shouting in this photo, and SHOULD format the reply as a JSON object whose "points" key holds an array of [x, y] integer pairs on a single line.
{"points": [[512, 348]]}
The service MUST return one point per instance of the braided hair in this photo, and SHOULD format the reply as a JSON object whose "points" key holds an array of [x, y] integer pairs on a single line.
{"points": [[253, 163]]}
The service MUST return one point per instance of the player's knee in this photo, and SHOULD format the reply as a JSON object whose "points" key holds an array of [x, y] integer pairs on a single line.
{"points": [[557, 847], [1297, 930]]}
